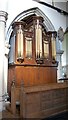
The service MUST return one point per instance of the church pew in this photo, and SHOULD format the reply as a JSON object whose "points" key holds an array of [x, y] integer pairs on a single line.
{"points": [[43, 101]]}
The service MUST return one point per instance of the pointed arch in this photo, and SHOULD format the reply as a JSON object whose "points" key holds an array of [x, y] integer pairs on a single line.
{"points": [[47, 23]]}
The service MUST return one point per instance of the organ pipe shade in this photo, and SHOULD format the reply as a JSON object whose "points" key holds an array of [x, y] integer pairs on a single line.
{"points": [[46, 49], [28, 47], [53, 40], [38, 33], [20, 43]]}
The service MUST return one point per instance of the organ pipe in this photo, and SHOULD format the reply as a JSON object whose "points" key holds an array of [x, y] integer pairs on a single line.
{"points": [[38, 38], [53, 41]]}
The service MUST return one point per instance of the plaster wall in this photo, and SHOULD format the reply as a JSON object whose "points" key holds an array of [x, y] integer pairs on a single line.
{"points": [[15, 7]]}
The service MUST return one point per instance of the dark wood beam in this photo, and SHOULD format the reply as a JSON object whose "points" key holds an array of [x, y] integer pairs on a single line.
{"points": [[53, 7]]}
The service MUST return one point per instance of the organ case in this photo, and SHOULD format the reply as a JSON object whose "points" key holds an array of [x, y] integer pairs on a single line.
{"points": [[32, 57]]}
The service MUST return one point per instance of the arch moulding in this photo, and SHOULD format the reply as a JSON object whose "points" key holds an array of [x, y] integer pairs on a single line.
{"points": [[47, 23]]}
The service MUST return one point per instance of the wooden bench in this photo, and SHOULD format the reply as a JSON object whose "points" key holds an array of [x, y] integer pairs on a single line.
{"points": [[15, 98], [43, 101]]}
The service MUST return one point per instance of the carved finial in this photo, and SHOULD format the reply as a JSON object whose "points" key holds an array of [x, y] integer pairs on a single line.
{"points": [[13, 83]]}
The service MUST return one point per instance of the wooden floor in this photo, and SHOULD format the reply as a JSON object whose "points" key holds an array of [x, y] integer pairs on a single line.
{"points": [[62, 116], [7, 115]]}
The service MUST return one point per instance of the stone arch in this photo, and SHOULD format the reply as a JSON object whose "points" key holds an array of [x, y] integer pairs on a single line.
{"points": [[47, 23]]}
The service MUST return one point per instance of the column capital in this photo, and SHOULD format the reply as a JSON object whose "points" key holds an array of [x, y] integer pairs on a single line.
{"points": [[59, 52], [7, 49], [3, 16]]}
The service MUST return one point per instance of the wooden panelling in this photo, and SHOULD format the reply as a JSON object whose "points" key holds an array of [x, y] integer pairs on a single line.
{"points": [[35, 75], [11, 77], [31, 75], [41, 103]]}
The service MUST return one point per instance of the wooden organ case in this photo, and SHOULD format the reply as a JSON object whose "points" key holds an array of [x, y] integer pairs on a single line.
{"points": [[32, 57]]}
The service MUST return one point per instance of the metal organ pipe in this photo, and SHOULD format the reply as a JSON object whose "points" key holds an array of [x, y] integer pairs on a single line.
{"points": [[20, 42], [38, 33], [53, 40]]}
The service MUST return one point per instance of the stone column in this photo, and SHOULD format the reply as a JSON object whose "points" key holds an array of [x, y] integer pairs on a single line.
{"points": [[60, 38], [59, 59], [7, 48], [3, 18]]}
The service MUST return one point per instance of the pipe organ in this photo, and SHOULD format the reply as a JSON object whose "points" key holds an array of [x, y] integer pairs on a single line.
{"points": [[33, 50], [38, 38]]}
